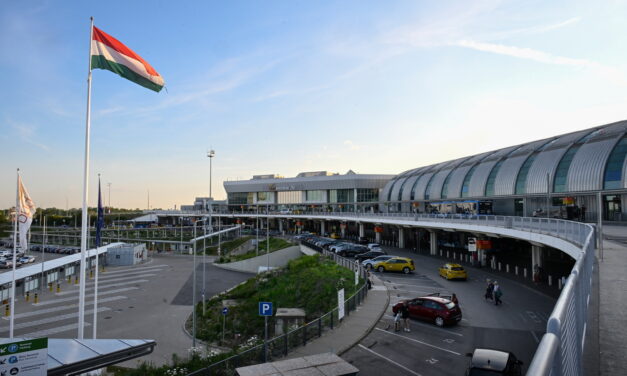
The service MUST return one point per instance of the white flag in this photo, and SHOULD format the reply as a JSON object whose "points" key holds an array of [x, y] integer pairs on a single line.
{"points": [[26, 210]]}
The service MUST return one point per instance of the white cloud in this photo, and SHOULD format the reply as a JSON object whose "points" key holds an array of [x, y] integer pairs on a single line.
{"points": [[351, 145], [27, 133]]}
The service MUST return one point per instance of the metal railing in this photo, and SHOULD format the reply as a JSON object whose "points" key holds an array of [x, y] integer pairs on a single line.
{"points": [[281, 345], [560, 350]]}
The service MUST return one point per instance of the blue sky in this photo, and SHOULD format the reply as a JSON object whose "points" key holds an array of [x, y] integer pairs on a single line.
{"points": [[290, 86]]}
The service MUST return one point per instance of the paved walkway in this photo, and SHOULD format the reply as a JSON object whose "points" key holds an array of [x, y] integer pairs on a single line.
{"points": [[353, 328], [613, 301]]}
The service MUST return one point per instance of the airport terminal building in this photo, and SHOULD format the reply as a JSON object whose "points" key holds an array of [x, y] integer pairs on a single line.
{"points": [[562, 177]]}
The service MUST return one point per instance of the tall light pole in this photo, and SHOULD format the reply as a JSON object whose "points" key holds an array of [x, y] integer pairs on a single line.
{"points": [[211, 153], [194, 287]]}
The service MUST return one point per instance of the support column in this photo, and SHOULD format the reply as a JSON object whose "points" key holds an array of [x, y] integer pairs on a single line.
{"points": [[361, 230], [377, 237], [322, 228], [433, 240], [343, 230], [536, 257], [401, 237], [281, 226]]}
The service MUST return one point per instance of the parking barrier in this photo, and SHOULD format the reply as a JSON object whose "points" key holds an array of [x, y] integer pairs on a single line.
{"points": [[76, 280], [550, 281], [7, 310], [516, 270], [50, 286], [507, 268], [69, 279], [499, 266], [36, 300], [447, 254], [27, 296], [559, 283], [58, 287], [91, 274], [525, 273]]}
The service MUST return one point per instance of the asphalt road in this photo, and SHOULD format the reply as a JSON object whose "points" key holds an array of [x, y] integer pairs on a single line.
{"points": [[516, 326]]}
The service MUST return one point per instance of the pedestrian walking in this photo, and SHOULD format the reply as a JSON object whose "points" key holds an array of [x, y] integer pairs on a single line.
{"points": [[454, 299], [489, 290], [497, 293], [397, 321], [405, 316]]}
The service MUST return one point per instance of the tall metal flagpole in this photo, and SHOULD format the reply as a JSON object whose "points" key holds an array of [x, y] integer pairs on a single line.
{"points": [[17, 215], [81, 294], [98, 241]]}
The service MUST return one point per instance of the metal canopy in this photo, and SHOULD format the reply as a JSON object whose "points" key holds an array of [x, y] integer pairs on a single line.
{"points": [[73, 356], [33, 270]]}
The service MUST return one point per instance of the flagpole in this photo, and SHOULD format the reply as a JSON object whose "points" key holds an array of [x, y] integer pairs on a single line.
{"points": [[17, 205], [95, 324], [81, 295]]}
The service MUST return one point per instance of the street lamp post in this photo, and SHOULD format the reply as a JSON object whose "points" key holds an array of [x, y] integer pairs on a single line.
{"points": [[211, 153], [194, 286]]}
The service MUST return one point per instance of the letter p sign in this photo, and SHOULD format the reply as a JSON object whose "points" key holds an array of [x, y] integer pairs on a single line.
{"points": [[265, 309]]}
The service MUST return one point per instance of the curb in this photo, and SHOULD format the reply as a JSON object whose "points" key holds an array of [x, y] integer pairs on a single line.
{"points": [[367, 332]]}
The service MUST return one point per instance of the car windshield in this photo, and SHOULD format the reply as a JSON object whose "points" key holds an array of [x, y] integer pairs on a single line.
{"points": [[450, 305], [457, 268], [381, 258], [483, 372]]}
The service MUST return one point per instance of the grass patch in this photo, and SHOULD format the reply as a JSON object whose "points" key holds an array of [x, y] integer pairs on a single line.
{"points": [[228, 246], [309, 282], [275, 245]]}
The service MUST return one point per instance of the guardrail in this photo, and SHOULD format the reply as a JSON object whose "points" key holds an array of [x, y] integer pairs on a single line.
{"points": [[560, 350], [280, 346]]}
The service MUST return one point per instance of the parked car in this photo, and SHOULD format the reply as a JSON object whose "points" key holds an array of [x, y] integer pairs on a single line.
{"points": [[493, 362], [362, 240], [6, 253], [396, 264], [340, 246], [437, 310], [369, 255], [334, 236], [27, 259], [375, 247], [352, 251], [453, 271], [369, 264]]}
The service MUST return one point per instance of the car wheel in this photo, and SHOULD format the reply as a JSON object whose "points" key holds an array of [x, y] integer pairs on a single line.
{"points": [[439, 321], [381, 269], [406, 270]]}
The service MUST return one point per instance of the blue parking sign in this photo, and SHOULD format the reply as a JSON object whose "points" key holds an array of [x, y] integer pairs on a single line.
{"points": [[225, 310], [265, 309]]}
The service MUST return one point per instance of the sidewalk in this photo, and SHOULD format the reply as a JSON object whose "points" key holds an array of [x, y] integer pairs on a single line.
{"points": [[613, 301], [353, 327]]}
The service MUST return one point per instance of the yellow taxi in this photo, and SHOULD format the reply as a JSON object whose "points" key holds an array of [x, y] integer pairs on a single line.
{"points": [[396, 264], [334, 236], [453, 271]]}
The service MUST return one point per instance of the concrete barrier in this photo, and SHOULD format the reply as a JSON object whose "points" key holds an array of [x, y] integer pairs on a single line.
{"points": [[278, 259]]}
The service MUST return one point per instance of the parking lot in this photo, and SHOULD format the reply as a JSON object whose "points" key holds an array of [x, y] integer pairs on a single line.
{"points": [[515, 326]]}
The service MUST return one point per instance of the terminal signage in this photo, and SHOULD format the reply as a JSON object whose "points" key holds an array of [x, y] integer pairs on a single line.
{"points": [[24, 358], [472, 244]]}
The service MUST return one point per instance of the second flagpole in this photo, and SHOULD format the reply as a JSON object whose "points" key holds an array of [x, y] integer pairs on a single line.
{"points": [[84, 223]]}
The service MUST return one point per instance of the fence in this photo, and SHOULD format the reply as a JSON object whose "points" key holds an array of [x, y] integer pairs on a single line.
{"points": [[280, 346], [560, 350]]}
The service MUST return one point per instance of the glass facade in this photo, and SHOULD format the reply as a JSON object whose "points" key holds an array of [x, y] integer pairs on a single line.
{"points": [[290, 197], [428, 188], [560, 180], [367, 194], [240, 198], [614, 167], [265, 197], [315, 196], [489, 185], [466, 183], [413, 188], [341, 195], [521, 180], [444, 193]]}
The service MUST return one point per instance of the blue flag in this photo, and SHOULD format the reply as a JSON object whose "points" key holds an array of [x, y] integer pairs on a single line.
{"points": [[100, 219]]}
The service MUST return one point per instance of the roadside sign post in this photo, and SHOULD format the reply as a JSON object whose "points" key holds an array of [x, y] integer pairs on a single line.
{"points": [[340, 304], [225, 311], [265, 310]]}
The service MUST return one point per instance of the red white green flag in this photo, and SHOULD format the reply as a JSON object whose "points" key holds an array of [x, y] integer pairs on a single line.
{"points": [[108, 53]]}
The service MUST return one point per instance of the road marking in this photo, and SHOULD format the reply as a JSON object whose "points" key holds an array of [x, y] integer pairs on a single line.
{"points": [[103, 286], [64, 308], [522, 317], [417, 341], [432, 361], [431, 327], [134, 270], [535, 336], [100, 293], [532, 315], [48, 332], [118, 278], [389, 360], [51, 319]]}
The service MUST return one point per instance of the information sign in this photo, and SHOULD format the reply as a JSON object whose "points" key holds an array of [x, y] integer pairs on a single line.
{"points": [[472, 244], [340, 304], [24, 358], [225, 310], [265, 309]]}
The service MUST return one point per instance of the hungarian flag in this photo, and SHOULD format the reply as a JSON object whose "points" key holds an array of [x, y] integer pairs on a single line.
{"points": [[25, 212], [108, 53]]}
